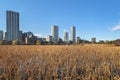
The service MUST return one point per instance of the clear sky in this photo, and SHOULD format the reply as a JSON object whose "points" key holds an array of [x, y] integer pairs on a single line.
{"points": [[92, 18]]}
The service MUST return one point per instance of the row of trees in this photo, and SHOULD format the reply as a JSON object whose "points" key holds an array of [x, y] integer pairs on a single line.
{"points": [[109, 42], [61, 42], [113, 42]]}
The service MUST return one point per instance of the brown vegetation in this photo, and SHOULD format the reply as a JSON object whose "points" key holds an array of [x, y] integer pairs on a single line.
{"points": [[88, 62]]}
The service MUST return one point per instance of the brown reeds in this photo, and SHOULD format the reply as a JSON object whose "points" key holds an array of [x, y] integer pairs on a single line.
{"points": [[88, 62]]}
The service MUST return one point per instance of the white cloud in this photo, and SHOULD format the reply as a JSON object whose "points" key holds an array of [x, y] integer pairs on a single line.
{"points": [[38, 35], [64, 30], [116, 28]]}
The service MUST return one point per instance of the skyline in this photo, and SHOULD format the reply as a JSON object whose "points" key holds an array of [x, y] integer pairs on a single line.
{"points": [[92, 18]]}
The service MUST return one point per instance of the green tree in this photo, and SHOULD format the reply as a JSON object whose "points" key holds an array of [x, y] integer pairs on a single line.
{"points": [[38, 42], [14, 42], [1, 42]]}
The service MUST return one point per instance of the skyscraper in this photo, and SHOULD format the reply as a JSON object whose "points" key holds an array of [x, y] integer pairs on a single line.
{"points": [[20, 36], [1, 35], [93, 40], [55, 33], [73, 33], [12, 24], [65, 36], [49, 38]]}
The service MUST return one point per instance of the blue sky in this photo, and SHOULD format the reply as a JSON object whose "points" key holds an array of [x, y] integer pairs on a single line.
{"points": [[92, 18]]}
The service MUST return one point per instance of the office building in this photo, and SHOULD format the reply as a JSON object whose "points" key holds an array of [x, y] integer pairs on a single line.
{"points": [[78, 39], [20, 36], [93, 40], [5, 36], [12, 24], [29, 38], [65, 36], [1, 35], [49, 38], [73, 34], [55, 33], [29, 34]]}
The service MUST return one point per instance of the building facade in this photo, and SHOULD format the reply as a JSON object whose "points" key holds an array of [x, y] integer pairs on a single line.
{"points": [[12, 24], [1, 35], [20, 36], [49, 38], [73, 34], [93, 40], [55, 33], [78, 40], [66, 36]]}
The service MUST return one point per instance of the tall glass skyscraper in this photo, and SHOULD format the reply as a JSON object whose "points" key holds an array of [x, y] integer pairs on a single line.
{"points": [[73, 34], [55, 33], [12, 24]]}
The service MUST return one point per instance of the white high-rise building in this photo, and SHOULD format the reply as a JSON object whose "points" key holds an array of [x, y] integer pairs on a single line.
{"points": [[12, 24], [1, 35], [73, 34], [65, 36], [49, 38], [55, 33]]}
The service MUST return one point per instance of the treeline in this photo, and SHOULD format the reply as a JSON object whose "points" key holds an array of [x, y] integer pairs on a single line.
{"points": [[61, 42]]}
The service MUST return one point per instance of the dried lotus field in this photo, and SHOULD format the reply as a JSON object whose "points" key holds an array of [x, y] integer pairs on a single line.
{"points": [[88, 62]]}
